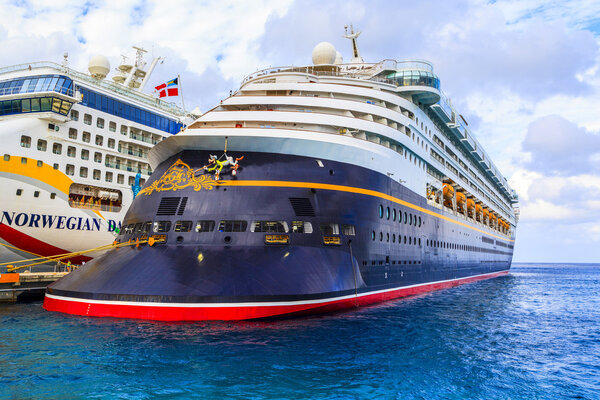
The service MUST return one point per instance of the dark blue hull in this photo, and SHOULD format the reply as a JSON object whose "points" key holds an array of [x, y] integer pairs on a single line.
{"points": [[389, 242]]}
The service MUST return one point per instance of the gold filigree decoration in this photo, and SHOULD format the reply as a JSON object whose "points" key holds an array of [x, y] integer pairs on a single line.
{"points": [[179, 176]]}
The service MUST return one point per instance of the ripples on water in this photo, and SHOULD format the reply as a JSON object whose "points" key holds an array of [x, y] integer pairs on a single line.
{"points": [[532, 334]]}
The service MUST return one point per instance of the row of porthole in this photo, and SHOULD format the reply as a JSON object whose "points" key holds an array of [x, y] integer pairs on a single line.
{"points": [[403, 217], [407, 239]]}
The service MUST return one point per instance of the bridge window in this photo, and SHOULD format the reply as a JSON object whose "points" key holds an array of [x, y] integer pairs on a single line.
{"points": [[205, 226], [232, 226], [302, 227], [348, 230], [183, 226], [269, 226], [330, 229], [162, 226]]}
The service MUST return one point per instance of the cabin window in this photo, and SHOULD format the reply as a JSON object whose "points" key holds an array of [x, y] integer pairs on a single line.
{"points": [[99, 140], [19, 192], [83, 172], [302, 227], [232, 226], [7, 157], [70, 151], [42, 145], [25, 141], [86, 137], [74, 115], [380, 211], [87, 119], [394, 214], [57, 148], [70, 169], [387, 213], [183, 226], [72, 133], [112, 126], [97, 174], [100, 123], [373, 235], [120, 179], [85, 154], [111, 143], [97, 157], [269, 226], [162, 226], [109, 177]]}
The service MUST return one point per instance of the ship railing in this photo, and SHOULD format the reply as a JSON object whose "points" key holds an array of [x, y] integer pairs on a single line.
{"points": [[128, 168], [139, 96]]}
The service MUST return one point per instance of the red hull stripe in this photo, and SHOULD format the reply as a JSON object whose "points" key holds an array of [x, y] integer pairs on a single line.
{"points": [[32, 245], [238, 311]]}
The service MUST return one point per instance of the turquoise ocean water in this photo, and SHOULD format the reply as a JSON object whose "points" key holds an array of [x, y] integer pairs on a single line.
{"points": [[534, 334]]}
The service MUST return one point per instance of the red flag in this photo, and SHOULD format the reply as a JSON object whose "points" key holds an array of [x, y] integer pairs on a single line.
{"points": [[168, 89]]}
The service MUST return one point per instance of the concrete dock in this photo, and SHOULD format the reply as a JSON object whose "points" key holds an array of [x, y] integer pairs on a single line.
{"points": [[25, 284]]}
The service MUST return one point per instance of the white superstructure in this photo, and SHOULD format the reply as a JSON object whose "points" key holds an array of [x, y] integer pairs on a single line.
{"points": [[72, 146]]}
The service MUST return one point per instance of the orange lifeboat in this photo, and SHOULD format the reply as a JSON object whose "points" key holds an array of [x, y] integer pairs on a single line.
{"points": [[471, 207], [478, 212], [448, 192], [486, 215], [461, 201]]}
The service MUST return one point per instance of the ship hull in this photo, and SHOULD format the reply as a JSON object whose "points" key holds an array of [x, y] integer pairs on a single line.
{"points": [[392, 244]]}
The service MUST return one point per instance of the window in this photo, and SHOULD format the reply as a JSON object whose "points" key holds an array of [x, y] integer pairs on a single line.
{"points": [[120, 179], [70, 151], [381, 236], [380, 211], [72, 133], [86, 137], [97, 157], [52, 196], [25, 141], [405, 217], [330, 229], [36, 193], [205, 226], [96, 174], [70, 169], [83, 172], [111, 143], [85, 154], [19, 192], [112, 126], [387, 213], [42, 145], [100, 123], [233, 226], [183, 226], [269, 226], [74, 115], [394, 214], [55, 166], [57, 148], [123, 130], [109, 177], [162, 226], [302, 227], [40, 163], [99, 140], [87, 119], [348, 230], [131, 180], [7, 157], [373, 235]]}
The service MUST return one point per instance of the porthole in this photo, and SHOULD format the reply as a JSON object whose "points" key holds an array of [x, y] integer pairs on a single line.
{"points": [[419, 221], [405, 217], [381, 236], [388, 237], [409, 240], [387, 213], [410, 221], [394, 214], [373, 235], [380, 211], [394, 238]]}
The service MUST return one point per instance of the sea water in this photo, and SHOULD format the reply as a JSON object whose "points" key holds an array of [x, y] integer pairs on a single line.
{"points": [[534, 334]]}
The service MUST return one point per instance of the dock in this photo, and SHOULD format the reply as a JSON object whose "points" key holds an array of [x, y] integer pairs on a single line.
{"points": [[15, 285]]}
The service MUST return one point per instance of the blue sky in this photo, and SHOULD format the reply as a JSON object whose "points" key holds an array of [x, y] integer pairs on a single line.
{"points": [[524, 73]]}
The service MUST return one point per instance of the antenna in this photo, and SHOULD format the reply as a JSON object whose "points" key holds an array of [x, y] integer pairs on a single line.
{"points": [[353, 36]]}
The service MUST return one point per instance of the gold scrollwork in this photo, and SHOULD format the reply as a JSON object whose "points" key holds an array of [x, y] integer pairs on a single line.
{"points": [[179, 176]]}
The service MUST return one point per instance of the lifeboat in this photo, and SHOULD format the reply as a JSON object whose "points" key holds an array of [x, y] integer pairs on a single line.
{"points": [[478, 212], [461, 201], [486, 215], [448, 192], [471, 208]]}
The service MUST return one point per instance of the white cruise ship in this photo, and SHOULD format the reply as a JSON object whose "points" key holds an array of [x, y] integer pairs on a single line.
{"points": [[73, 145]]}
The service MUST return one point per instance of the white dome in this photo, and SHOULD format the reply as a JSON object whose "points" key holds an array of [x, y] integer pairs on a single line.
{"points": [[338, 58], [99, 66], [323, 54]]}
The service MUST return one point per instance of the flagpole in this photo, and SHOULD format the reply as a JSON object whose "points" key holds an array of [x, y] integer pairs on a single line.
{"points": [[181, 89]]}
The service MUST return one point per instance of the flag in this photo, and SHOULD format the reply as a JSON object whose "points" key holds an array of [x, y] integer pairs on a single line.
{"points": [[168, 89]]}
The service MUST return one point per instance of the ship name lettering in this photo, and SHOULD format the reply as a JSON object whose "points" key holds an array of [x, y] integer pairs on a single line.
{"points": [[55, 222]]}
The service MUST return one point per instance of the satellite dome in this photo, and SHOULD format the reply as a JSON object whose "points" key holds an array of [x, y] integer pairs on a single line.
{"points": [[324, 54], [338, 58], [99, 66]]}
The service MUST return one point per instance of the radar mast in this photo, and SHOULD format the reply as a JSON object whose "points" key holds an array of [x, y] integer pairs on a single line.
{"points": [[356, 58]]}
